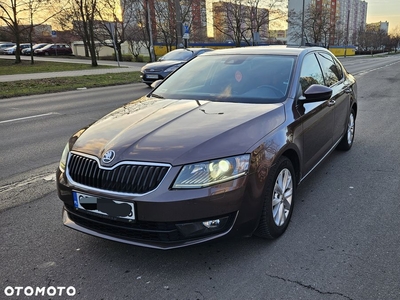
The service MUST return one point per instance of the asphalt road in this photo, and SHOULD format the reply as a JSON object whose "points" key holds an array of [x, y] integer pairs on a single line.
{"points": [[342, 242], [35, 129]]}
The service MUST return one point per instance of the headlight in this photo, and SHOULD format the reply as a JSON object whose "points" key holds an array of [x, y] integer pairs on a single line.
{"points": [[173, 68], [63, 160], [204, 174]]}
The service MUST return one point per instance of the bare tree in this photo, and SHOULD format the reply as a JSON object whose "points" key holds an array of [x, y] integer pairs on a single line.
{"points": [[135, 39], [258, 20], [373, 39], [247, 20], [319, 25], [70, 20], [166, 22], [139, 28], [15, 13], [85, 13], [38, 7], [261, 15], [113, 27], [231, 19], [340, 34], [11, 17], [395, 39]]}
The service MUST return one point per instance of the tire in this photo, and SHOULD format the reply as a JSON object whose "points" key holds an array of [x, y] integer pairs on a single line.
{"points": [[278, 207], [348, 138]]}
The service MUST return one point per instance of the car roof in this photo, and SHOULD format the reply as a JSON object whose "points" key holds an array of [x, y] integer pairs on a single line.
{"points": [[272, 50], [199, 49], [194, 50]]}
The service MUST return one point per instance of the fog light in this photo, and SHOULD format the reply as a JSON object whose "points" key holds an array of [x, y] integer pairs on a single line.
{"points": [[212, 223], [202, 228]]}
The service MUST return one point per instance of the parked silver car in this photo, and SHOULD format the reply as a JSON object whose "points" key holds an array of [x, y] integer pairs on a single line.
{"points": [[4, 46]]}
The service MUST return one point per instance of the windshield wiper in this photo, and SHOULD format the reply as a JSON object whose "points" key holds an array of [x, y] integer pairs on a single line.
{"points": [[157, 96]]}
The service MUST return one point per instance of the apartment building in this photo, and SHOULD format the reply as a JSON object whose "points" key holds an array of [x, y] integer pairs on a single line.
{"points": [[347, 17]]}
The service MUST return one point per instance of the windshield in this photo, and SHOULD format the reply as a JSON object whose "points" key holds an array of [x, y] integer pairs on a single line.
{"points": [[234, 78], [178, 55]]}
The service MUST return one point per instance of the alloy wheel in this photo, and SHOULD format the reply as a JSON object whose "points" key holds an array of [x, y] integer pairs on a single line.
{"points": [[282, 197], [350, 129]]}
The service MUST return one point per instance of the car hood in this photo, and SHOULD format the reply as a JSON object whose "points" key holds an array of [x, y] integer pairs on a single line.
{"points": [[159, 65], [179, 131]]}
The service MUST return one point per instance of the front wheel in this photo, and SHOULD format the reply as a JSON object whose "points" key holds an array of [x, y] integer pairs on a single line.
{"points": [[279, 200], [348, 138]]}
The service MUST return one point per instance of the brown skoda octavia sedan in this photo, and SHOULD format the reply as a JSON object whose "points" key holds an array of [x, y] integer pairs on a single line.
{"points": [[217, 149]]}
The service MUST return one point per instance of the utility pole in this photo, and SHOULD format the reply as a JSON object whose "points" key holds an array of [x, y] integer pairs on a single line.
{"points": [[302, 24], [347, 33], [178, 24]]}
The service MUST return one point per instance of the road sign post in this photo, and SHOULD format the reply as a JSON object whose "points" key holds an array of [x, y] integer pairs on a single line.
{"points": [[186, 34]]}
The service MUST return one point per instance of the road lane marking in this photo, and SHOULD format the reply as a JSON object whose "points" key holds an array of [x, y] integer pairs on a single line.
{"points": [[30, 117]]}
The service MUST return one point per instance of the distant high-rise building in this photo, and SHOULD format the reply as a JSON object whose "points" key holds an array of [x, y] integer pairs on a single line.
{"points": [[353, 19], [347, 18], [378, 26]]}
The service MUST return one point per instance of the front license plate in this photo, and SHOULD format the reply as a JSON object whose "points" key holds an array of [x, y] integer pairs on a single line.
{"points": [[151, 76], [103, 206]]}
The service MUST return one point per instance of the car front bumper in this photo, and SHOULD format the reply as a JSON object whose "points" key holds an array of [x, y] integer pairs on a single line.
{"points": [[167, 219]]}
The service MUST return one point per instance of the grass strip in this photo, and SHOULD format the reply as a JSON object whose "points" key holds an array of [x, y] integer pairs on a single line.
{"points": [[62, 84], [9, 67]]}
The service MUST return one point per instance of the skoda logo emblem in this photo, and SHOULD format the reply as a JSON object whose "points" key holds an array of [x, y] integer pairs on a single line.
{"points": [[108, 156]]}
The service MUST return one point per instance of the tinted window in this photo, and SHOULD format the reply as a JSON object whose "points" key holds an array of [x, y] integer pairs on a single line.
{"points": [[329, 68], [310, 72], [339, 69]]}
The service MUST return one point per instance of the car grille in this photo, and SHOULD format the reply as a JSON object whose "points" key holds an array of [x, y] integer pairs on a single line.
{"points": [[125, 178], [165, 232], [153, 70]]}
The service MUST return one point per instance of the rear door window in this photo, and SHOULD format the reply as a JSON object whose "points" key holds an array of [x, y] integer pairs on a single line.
{"points": [[310, 72], [332, 74]]}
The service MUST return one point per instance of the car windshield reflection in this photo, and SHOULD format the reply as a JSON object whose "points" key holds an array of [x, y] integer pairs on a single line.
{"points": [[177, 55], [231, 78]]}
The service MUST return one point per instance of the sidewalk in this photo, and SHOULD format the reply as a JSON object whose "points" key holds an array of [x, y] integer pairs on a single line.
{"points": [[124, 67]]}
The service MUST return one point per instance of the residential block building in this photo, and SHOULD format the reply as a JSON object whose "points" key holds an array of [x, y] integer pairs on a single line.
{"points": [[347, 17]]}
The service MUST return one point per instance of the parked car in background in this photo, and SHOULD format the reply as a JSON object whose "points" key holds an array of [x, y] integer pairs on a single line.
{"points": [[9, 50], [13, 49], [218, 148], [4, 46], [27, 51], [169, 63], [54, 49]]}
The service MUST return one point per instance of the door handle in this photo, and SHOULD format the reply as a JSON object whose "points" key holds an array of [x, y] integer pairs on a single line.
{"points": [[331, 102], [347, 90]]}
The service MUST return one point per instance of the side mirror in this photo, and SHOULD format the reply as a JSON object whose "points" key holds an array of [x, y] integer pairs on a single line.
{"points": [[315, 93], [156, 83]]}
